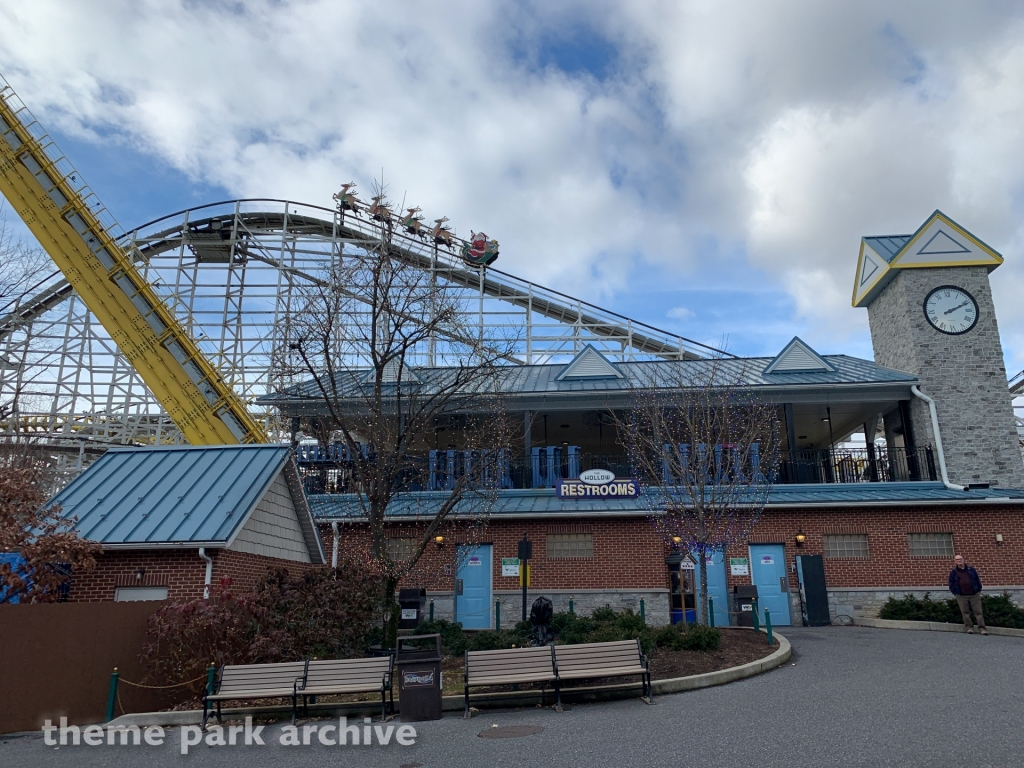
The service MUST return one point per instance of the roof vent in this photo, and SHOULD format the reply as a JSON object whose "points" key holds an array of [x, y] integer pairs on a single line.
{"points": [[798, 357], [589, 364], [390, 374]]}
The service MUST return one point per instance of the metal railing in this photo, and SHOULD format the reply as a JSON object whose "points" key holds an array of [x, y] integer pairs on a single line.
{"points": [[330, 470], [856, 465]]}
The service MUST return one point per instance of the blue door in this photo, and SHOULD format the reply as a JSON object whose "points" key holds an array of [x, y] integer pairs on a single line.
{"points": [[473, 587], [717, 589], [768, 571]]}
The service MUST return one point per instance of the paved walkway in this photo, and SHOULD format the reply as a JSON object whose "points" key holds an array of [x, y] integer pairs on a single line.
{"points": [[851, 696]]}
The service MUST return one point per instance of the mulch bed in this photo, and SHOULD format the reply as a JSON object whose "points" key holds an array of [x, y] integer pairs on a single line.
{"points": [[738, 646]]}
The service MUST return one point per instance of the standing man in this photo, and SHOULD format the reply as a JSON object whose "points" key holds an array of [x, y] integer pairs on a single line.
{"points": [[966, 587]]}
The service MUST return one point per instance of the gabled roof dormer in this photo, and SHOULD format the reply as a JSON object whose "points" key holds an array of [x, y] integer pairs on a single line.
{"points": [[589, 364], [798, 357], [939, 242]]}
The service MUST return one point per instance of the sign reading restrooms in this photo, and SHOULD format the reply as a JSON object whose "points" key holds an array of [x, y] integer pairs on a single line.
{"points": [[598, 484]]}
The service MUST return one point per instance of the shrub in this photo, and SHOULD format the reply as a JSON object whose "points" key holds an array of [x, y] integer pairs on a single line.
{"points": [[324, 614], [700, 637], [682, 637], [453, 639], [999, 610]]}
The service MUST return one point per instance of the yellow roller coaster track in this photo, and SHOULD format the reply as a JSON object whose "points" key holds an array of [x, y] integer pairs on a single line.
{"points": [[63, 214]]}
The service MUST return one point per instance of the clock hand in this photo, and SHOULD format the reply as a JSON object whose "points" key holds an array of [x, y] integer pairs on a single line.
{"points": [[954, 309]]}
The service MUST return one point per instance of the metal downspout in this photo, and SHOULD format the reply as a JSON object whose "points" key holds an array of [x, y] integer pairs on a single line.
{"points": [[334, 545], [938, 439], [209, 572]]}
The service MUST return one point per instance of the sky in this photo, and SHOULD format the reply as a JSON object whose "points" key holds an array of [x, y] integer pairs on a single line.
{"points": [[706, 167]]}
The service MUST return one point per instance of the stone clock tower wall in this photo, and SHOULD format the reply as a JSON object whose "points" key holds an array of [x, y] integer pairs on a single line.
{"points": [[964, 374]]}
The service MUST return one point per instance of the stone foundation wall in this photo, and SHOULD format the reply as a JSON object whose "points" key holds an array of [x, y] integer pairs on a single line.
{"points": [[866, 602]]}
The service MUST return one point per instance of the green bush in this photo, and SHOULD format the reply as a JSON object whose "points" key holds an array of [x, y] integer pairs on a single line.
{"points": [[602, 626], [692, 637], [453, 639], [999, 610]]}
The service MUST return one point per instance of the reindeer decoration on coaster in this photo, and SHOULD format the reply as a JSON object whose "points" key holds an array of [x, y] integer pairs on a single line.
{"points": [[479, 251], [413, 224], [441, 234], [347, 200], [378, 210]]}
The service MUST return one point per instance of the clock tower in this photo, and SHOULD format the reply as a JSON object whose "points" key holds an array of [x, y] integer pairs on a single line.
{"points": [[931, 315]]}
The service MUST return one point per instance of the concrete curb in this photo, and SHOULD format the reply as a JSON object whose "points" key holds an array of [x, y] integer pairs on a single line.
{"points": [[932, 626], [488, 700]]}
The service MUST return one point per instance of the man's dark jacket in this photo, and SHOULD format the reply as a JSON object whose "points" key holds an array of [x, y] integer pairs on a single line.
{"points": [[954, 581]]}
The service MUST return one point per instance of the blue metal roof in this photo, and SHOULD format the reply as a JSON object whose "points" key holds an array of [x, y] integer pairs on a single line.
{"points": [[544, 502], [544, 379], [172, 495], [887, 246]]}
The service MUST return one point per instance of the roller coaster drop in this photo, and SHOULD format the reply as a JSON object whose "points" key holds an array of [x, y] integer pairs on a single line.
{"points": [[169, 332]]}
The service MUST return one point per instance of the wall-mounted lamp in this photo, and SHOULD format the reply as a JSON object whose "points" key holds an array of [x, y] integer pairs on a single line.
{"points": [[139, 574], [439, 540], [999, 538], [676, 539], [800, 538]]}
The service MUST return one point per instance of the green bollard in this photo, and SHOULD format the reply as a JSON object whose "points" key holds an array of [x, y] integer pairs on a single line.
{"points": [[643, 614], [757, 619], [497, 615], [711, 611], [211, 673], [431, 609], [768, 626], [571, 610], [112, 695]]}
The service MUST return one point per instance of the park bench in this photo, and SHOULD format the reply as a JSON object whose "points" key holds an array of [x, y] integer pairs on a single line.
{"points": [[336, 676], [510, 666], [255, 681], [589, 660]]}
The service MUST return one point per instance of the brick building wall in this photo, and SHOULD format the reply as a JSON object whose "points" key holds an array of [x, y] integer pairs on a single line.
{"points": [[181, 570], [629, 558]]}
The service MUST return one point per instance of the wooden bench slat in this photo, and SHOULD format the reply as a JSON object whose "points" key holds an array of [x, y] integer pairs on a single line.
{"points": [[270, 693]]}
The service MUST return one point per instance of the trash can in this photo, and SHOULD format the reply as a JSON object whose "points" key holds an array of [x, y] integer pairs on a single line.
{"points": [[418, 660], [743, 597], [411, 602]]}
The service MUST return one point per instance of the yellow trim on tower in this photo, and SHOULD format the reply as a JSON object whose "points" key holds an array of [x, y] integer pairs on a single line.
{"points": [[860, 293], [974, 261]]}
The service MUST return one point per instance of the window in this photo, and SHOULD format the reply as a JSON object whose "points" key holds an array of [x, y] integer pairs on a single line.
{"points": [[400, 550], [138, 594], [930, 544], [561, 546], [846, 545]]}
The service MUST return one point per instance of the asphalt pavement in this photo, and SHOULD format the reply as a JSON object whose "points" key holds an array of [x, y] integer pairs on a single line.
{"points": [[850, 696]]}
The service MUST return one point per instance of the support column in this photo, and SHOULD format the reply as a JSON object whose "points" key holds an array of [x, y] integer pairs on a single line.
{"points": [[527, 453]]}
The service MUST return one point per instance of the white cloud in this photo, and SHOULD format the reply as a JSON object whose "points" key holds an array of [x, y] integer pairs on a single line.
{"points": [[730, 145], [681, 314]]}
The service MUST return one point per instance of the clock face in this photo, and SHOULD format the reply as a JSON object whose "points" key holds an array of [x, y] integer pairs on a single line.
{"points": [[951, 310]]}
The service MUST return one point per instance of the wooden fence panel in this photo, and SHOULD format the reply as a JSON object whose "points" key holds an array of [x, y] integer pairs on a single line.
{"points": [[56, 660]]}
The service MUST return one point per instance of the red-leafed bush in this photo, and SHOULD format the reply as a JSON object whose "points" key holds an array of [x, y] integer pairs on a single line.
{"points": [[326, 614], [47, 550]]}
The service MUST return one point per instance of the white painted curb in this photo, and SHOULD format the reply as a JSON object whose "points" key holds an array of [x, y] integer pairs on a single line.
{"points": [[932, 626]]}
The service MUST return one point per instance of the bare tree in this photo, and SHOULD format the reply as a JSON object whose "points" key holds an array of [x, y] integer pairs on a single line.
{"points": [[393, 365], [706, 449]]}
